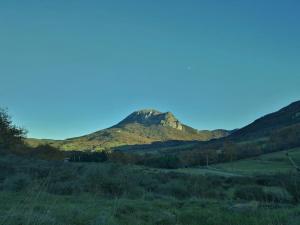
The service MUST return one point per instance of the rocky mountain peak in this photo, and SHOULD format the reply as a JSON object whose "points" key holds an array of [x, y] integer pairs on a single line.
{"points": [[150, 117]]}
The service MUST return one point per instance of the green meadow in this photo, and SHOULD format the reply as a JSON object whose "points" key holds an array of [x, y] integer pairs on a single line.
{"points": [[272, 163], [246, 192]]}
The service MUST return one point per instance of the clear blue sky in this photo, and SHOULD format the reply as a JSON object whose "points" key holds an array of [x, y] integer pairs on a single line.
{"points": [[68, 68]]}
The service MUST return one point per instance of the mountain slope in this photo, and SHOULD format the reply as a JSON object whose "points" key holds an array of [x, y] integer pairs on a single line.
{"points": [[267, 125], [140, 127], [273, 132]]}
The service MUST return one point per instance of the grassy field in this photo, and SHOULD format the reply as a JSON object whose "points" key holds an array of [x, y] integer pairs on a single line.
{"points": [[86, 209], [272, 163], [43, 193], [276, 162]]}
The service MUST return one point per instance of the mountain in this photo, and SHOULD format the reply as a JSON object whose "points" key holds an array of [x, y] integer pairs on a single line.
{"points": [[141, 127], [267, 125], [149, 117], [273, 132]]}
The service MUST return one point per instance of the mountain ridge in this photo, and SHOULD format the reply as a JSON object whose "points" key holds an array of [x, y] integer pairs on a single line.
{"points": [[284, 117], [144, 126]]}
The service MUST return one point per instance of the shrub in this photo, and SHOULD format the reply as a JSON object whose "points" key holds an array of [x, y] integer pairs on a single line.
{"points": [[292, 185], [64, 188], [277, 194], [113, 180], [250, 193], [165, 161], [17, 182], [5, 171], [258, 193], [177, 189]]}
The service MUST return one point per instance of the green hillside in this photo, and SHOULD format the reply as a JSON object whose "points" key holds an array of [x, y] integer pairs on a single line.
{"points": [[141, 127], [274, 132], [267, 125]]}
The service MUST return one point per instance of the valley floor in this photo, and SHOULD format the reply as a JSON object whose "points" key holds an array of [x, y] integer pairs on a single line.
{"points": [[258, 191], [272, 163], [46, 209]]}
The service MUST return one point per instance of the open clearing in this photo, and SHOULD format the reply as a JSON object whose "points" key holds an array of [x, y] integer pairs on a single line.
{"points": [[271, 163]]}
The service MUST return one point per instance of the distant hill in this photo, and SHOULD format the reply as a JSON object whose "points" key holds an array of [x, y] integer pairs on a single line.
{"points": [[267, 125], [174, 145], [141, 127], [273, 132]]}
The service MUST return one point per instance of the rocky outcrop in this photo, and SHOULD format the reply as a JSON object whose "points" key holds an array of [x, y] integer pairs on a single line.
{"points": [[171, 121], [150, 117]]}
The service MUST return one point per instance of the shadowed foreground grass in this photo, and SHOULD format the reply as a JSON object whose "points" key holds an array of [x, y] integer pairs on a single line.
{"points": [[43, 193], [47, 209]]}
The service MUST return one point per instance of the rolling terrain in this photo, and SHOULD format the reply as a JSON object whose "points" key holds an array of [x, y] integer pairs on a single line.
{"points": [[265, 126], [48, 192], [273, 132], [156, 132], [139, 128], [261, 189]]}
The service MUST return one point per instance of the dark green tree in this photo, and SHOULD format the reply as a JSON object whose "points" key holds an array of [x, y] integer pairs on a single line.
{"points": [[11, 136]]}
